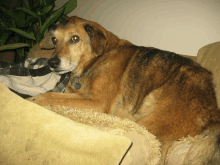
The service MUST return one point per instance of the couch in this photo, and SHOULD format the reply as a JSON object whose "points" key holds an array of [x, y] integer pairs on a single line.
{"points": [[31, 134]]}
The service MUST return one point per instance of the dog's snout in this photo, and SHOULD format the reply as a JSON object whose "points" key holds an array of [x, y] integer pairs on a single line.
{"points": [[54, 62]]}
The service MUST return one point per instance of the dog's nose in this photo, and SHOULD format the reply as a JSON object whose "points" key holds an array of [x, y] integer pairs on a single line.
{"points": [[54, 62]]}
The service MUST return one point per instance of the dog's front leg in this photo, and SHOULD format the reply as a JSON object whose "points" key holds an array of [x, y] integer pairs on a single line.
{"points": [[73, 100], [52, 95]]}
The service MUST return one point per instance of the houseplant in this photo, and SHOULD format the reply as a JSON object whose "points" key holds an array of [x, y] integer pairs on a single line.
{"points": [[26, 24]]}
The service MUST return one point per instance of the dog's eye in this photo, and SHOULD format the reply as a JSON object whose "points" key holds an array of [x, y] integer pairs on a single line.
{"points": [[74, 39], [54, 40]]}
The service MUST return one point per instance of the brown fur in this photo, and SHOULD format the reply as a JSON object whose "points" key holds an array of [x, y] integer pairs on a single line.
{"points": [[171, 95]]}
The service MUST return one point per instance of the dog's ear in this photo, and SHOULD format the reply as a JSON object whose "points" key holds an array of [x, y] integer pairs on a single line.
{"points": [[46, 42], [97, 38]]}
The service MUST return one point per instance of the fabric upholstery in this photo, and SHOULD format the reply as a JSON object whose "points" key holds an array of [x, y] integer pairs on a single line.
{"points": [[31, 134], [209, 57]]}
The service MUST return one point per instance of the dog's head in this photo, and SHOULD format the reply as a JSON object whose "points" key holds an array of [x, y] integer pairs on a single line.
{"points": [[77, 43]]}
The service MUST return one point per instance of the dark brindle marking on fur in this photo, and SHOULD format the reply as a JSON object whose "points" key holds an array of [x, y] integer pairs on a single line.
{"points": [[52, 29], [64, 23], [89, 30], [172, 96], [96, 35], [165, 63]]}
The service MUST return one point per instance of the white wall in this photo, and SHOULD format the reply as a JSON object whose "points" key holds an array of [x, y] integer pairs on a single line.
{"points": [[181, 26]]}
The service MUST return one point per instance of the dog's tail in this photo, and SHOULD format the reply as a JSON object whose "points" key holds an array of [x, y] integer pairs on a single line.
{"points": [[203, 149]]}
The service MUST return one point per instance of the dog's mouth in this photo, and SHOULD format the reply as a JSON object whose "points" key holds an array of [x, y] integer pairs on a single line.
{"points": [[61, 66]]}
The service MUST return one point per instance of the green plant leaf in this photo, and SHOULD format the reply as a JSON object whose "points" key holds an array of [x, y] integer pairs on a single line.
{"points": [[30, 3], [2, 1], [44, 2], [69, 6], [48, 2], [5, 36], [3, 25], [38, 36], [62, 18], [28, 11], [16, 38], [51, 1], [46, 9], [17, 17], [9, 13], [13, 46], [21, 16], [17, 5], [29, 20], [23, 4], [13, 24], [20, 51], [23, 33], [36, 4], [53, 18]]}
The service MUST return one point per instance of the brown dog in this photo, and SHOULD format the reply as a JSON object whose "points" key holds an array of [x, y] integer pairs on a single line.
{"points": [[170, 95]]}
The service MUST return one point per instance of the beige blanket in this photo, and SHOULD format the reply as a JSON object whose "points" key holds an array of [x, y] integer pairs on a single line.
{"points": [[30, 134]]}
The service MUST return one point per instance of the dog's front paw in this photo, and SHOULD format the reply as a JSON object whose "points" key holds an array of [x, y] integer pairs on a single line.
{"points": [[38, 98], [32, 99]]}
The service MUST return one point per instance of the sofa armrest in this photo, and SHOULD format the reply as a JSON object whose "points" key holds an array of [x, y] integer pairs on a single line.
{"points": [[209, 57]]}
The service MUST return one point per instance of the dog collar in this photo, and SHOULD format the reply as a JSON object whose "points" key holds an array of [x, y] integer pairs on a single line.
{"points": [[77, 85]]}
